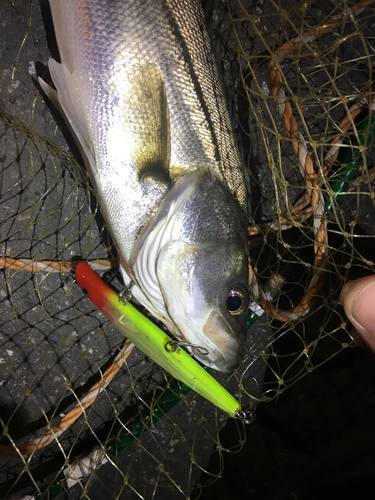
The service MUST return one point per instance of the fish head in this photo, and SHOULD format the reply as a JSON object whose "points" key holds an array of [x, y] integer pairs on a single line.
{"points": [[202, 270], [206, 296]]}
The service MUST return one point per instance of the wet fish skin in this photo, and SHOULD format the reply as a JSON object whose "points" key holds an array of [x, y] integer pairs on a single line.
{"points": [[139, 87]]}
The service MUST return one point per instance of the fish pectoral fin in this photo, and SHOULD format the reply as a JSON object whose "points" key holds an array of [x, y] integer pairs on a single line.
{"points": [[67, 101], [146, 117]]}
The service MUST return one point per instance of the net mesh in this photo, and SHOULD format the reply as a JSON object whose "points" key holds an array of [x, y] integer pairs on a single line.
{"points": [[83, 415]]}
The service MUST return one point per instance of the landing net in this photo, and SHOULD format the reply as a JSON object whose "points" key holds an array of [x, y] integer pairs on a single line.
{"points": [[84, 415]]}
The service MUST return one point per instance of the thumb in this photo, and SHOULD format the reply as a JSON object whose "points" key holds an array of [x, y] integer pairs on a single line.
{"points": [[358, 299]]}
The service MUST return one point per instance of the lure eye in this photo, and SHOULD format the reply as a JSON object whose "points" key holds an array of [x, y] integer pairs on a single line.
{"points": [[238, 300]]}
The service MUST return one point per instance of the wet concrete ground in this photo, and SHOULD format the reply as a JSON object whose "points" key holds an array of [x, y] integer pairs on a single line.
{"points": [[316, 441]]}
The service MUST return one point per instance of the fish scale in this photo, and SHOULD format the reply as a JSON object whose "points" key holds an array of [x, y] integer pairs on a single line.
{"points": [[179, 45], [139, 87]]}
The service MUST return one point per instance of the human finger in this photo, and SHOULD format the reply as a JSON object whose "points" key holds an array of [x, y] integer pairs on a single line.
{"points": [[358, 299]]}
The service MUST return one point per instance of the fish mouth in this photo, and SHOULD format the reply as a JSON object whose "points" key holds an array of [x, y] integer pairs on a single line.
{"points": [[225, 351]]}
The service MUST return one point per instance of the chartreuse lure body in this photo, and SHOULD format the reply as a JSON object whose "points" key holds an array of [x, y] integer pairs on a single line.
{"points": [[155, 343]]}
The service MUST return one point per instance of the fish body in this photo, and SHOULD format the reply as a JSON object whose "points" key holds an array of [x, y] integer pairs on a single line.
{"points": [[139, 88]]}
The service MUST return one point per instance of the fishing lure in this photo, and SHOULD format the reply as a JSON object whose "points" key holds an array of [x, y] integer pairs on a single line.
{"points": [[155, 343]]}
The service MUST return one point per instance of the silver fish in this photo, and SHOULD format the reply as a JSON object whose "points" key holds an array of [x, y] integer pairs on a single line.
{"points": [[139, 87]]}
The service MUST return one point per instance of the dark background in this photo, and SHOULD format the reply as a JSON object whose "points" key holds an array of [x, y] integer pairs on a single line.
{"points": [[316, 441]]}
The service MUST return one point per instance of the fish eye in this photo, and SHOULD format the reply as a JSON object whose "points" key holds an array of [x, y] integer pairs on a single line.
{"points": [[238, 300]]}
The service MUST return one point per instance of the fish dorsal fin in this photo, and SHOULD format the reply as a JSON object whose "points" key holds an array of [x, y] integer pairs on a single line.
{"points": [[147, 120], [69, 103]]}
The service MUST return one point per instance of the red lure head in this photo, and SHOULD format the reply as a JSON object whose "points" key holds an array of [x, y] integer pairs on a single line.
{"points": [[93, 286]]}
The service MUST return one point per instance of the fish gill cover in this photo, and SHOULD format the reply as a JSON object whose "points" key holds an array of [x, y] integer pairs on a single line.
{"points": [[82, 414]]}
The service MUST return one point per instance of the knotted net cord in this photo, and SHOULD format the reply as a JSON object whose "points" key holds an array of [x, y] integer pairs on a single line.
{"points": [[305, 74]]}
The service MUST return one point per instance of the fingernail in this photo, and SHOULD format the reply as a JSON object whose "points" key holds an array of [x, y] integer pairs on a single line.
{"points": [[363, 308]]}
